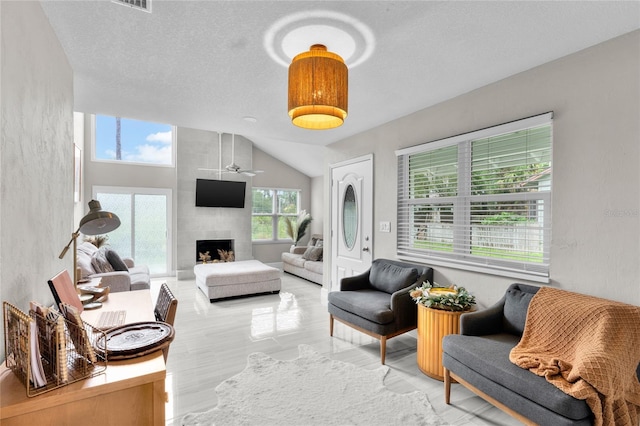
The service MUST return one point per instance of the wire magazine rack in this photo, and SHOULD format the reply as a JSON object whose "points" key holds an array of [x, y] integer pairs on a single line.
{"points": [[50, 352]]}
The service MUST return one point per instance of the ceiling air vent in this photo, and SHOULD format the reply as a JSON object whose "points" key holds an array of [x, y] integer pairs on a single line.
{"points": [[136, 4]]}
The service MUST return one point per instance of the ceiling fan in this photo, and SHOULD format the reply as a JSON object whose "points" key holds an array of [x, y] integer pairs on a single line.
{"points": [[233, 167]]}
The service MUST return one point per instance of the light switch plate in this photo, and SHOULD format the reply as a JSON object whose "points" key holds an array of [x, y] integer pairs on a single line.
{"points": [[385, 226]]}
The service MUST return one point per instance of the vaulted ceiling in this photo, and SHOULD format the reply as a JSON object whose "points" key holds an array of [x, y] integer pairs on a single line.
{"points": [[221, 65]]}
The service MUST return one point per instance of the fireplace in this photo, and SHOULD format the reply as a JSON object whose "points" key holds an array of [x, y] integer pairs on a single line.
{"points": [[212, 247]]}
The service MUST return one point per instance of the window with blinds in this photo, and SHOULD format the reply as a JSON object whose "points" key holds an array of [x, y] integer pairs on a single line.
{"points": [[481, 200]]}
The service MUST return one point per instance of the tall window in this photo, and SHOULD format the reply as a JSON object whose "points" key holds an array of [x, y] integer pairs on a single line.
{"points": [[480, 200], [270, 207], [134, 141]]}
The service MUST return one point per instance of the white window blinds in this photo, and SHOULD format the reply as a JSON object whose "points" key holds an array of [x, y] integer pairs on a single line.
{"points": [[481, 199]]}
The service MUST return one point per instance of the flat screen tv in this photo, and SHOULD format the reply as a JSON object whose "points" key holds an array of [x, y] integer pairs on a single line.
{"points": [[220, 193]]}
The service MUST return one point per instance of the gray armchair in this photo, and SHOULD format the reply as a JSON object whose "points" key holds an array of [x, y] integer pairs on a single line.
{"points": [[377, 302]]}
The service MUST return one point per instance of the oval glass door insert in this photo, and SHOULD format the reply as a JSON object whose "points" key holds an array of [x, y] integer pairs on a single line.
{"points": [[349, 217]]}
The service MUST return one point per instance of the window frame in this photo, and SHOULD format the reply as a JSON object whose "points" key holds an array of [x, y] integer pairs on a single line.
{"points": [[461, 256], [94, 158], [275, 215]]}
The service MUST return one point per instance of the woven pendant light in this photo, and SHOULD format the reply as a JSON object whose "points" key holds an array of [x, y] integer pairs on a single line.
{"points": [[318, 89]]}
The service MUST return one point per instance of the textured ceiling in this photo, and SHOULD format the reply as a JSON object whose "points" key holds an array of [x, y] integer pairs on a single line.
{"points": [[203, 64]]}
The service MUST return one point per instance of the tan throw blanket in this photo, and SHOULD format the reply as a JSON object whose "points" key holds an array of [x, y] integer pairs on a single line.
{"points": [[587, 347]]}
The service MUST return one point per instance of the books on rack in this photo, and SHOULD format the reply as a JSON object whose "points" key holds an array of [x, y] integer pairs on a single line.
{"points": [[64, 291], [38, 375], [37, 370], [52, 337], [78, 333]]}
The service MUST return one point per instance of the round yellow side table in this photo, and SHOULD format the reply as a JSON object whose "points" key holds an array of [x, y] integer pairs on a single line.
{"points": [[433, 325]]}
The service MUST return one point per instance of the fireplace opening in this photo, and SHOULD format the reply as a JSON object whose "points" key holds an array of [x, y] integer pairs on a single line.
{"points": [[212, 246]]}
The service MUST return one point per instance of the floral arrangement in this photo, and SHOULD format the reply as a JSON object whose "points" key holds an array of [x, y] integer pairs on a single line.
{"points": [[296, 229], [444, 298], [204, 257], [97, 240]]}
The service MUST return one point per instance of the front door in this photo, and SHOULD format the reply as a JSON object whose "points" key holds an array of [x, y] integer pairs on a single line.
{"points": [[351, 218]]}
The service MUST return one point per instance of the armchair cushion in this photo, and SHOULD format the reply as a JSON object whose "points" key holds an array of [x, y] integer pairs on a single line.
{"points": [[489, 357], [516, 305], [372, 305], [390, 278]]}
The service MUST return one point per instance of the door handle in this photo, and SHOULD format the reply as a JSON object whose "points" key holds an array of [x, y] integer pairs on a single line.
{"points": [[365, 248]]}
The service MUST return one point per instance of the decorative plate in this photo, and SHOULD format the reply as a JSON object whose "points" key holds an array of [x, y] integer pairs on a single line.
{"points": [[136, 339]]}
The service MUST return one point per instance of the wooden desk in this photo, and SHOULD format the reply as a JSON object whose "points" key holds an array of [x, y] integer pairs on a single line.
{"points": [[128, 392]]}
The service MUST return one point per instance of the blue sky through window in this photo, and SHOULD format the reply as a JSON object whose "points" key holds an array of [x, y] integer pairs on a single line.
{"points": [[141, 141]]}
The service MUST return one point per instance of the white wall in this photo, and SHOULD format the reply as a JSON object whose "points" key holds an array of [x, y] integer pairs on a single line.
{"points": [[36, 156], [595, 97]]}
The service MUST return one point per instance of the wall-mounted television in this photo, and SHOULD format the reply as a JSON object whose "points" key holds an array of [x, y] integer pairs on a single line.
{"points": [[220, 193]]}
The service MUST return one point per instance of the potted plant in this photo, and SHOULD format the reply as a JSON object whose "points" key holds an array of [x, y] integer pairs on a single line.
{"points": [[439, 310], [296, 229], [454, 298]]}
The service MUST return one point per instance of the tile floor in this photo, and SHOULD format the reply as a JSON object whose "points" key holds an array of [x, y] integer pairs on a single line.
{"points": [[213, 341]]}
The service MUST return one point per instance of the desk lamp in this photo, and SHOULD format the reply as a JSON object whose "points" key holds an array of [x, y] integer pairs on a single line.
{"points": [[96, 222]]}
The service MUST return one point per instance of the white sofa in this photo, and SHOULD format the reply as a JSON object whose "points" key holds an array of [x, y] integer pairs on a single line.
{"points": [[119, 274], [295, 262]]}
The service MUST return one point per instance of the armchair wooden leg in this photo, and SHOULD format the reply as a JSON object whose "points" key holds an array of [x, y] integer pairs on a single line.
{"points": [[330, 325], [383, 348], [447, 386]]}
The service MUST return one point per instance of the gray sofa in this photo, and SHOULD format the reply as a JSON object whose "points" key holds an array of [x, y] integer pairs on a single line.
{"points": [[478, 358], [305, 261], [119, 274]]}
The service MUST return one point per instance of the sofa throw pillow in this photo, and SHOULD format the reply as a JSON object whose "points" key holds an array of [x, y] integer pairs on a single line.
{"points": [[115, 260], [516, 305], [99, 261], [83, 261], [390, 278], [313, 253], [313, 241], [87, 248]]}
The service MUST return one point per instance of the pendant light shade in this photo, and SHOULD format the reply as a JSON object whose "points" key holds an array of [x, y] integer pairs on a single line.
{"points": [[318, 89]]}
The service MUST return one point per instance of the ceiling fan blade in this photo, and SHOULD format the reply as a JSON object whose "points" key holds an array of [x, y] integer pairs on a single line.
{"points": [[204, 169], [250, 172], [233, 167]]}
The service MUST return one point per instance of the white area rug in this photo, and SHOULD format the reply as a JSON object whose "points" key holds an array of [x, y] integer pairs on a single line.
{"points": [[312, 390]]}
